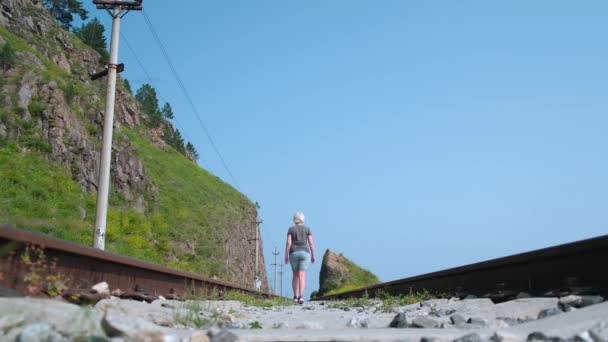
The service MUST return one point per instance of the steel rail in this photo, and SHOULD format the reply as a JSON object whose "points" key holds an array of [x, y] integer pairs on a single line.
{"points": [[86, 266], [572, 267]]}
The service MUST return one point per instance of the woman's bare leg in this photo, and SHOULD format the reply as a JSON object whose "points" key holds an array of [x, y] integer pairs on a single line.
{"points": [[302, 279], [295, 283]]}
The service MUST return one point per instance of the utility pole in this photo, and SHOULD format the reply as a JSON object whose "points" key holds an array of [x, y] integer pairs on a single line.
{"points": [[117, 10], [275, 253], [257, 283], [257, 248], [281, 277]]}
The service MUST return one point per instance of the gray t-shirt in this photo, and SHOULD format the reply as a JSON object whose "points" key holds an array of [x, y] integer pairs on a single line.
{"points": [[299, 238]]}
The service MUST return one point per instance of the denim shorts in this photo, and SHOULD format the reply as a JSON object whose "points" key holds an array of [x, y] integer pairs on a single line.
{"points": [[299, 260]]}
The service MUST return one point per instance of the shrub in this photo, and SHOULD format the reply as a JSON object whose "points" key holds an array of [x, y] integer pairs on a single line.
{"points": [[71, 90], [36, 107], [8, 56], [36, 143]]}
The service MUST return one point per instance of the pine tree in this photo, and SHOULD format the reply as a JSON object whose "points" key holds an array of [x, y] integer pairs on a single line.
{"points": [[167, 111], [62, 10], [178, 142], [191, 150], [92, 34], [128, 85], [146, 96]]}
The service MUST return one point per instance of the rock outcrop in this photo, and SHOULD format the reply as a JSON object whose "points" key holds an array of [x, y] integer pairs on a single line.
{"points": [[68, 116], [340, 274]]}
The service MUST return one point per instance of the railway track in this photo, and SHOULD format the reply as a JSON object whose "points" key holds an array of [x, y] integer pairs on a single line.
{"points": [[85, 266], [579, 267]]}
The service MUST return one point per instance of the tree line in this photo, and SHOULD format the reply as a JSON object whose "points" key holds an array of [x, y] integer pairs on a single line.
{"points": [[93, 34], [159, 117]]}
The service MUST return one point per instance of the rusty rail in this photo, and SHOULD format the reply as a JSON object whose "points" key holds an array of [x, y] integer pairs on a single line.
{"points": [[577, 267], [85, 266]]}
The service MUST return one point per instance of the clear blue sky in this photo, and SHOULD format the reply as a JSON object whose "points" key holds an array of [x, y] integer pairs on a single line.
{"points": [[414, 135]]}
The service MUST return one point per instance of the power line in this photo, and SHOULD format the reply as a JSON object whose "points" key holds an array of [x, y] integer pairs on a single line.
{"points": [[141, 65], [150, 79], [187, 96]]}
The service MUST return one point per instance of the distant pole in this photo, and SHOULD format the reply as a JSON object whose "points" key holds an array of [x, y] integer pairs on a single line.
{"points": [[257, 283], [275, 253], [115, 8], [257, 247], [281, 277]]}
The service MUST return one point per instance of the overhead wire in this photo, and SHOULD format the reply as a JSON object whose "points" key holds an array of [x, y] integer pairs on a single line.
{"points": [[187, 96], [124, 38]]}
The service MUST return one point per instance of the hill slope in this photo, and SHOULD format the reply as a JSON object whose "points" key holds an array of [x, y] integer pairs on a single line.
{"points": [[164, 208]]}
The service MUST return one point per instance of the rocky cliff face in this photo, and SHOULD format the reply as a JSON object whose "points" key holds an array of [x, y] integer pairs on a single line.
{"points": [[68, 105], [49, 104]]}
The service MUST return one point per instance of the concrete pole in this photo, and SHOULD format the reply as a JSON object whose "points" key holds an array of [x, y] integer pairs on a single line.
{"points": [[275, 253], [281, 276], [257, 246], [106, 150]]}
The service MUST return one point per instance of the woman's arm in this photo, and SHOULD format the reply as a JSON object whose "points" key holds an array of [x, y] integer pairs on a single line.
{"points": [[287, 248], [312, 249]]}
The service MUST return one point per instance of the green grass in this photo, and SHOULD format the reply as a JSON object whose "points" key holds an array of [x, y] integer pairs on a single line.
{"points": [[196, 312], [51, 71], [15, 41], [389, 302], [255, 325], [36, 106], [188, 314], [252, 300], [345, 288], [197, 204], [362, 301], [38, 195]]}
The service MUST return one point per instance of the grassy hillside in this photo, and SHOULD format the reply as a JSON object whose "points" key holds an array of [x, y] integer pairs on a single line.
{"points": [[188, 213], [198, 205], [185, 230], [36, 194]]}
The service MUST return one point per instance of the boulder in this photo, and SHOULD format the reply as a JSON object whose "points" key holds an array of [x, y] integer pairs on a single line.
{"points": [[524, 308], [65, 318], [338, 272]]}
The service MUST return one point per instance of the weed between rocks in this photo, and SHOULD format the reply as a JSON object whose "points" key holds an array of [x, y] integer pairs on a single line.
{"points": [[189, 313], [252, 300], [197, 312], [364, 301], [388, 301], [255, 325]]}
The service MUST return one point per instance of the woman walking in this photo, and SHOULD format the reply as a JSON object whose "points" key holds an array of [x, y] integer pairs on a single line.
{"points": [[299, 251]]}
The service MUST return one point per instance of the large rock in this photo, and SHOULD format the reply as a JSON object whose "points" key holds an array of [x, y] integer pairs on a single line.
{"points": [[338, 272], [65, 318], [40, 332], [525, 308], [564, 325], [29, 88]]}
